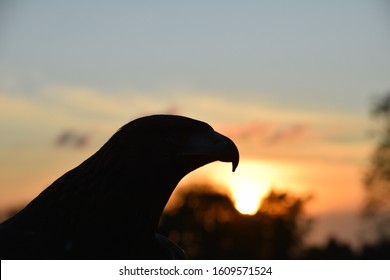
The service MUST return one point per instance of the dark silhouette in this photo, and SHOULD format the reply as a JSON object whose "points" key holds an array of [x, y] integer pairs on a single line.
{"points": [[338, 250], [208, 226], [377, 179], [333, 250], [380, 250], [110, 205]]}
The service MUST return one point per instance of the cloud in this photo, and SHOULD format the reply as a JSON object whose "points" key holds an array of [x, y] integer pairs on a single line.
{"points": [[71, 138], [270, 132], [64, 138], [256, 125], [305, 140], [292, 133], [56, 104]]}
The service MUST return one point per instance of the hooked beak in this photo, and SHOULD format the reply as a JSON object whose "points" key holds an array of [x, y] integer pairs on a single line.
{"points": [[225, 149], [214, 147]]}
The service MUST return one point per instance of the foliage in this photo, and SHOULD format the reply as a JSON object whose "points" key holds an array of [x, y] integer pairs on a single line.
{"points": [[332, 250], [377, 179], [337, 250], [207, 226]]}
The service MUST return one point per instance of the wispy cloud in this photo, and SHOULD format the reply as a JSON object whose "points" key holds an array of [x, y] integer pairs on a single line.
{"points": [[259, 127], [270, 132], [292, 133], [74, 139]]}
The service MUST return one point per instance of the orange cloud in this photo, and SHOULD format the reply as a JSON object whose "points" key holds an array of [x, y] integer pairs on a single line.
{"points": [[293, 132], [270, 132]]}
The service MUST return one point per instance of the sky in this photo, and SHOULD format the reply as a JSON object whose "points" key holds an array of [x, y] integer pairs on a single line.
{"points": [[291, 82]]}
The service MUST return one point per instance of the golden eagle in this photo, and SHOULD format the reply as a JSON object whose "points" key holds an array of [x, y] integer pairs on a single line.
{"points": [[109, 206]]}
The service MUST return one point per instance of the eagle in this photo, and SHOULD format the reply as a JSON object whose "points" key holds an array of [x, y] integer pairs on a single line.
{"points": [[110, 205]]}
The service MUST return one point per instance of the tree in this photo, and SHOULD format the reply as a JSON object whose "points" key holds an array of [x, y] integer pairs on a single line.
{"points": [[377, 179], [207, 226], [332, 250]]}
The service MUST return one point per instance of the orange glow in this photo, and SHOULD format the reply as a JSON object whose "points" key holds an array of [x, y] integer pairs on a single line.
{"points": [[247, 186], [335, 186], [247, 198]]}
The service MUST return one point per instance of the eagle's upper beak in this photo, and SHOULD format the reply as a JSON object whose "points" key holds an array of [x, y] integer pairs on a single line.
{"points": [[214, 147], [225, 150]]}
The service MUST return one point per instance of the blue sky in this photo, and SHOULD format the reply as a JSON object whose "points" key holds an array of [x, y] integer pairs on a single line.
{"points": [[330, 54]]}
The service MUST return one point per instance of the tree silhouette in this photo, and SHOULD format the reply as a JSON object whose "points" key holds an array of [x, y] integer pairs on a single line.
{"points": [[379, 250], [377, 179], [333, 250], [207, 226]]}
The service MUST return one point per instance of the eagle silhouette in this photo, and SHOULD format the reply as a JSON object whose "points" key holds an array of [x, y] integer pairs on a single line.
{"points": [[109, 206]]}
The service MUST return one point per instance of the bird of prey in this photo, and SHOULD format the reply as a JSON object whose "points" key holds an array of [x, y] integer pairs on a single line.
{"points": [[109, 206]]}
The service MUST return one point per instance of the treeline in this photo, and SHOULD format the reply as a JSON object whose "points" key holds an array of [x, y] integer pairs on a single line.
{"points": [[207, 226]]}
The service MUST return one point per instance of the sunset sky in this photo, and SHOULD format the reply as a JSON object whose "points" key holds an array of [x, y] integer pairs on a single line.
{"points": [[291, 82]]}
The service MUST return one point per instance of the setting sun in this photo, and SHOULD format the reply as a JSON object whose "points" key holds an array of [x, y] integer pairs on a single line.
{"points": [[248, 188], [246, 200], [247, 193], [247, 185]]}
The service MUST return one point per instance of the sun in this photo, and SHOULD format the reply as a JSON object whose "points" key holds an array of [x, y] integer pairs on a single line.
{"points": [[247, 186], [247, 194], [246, 201]]}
